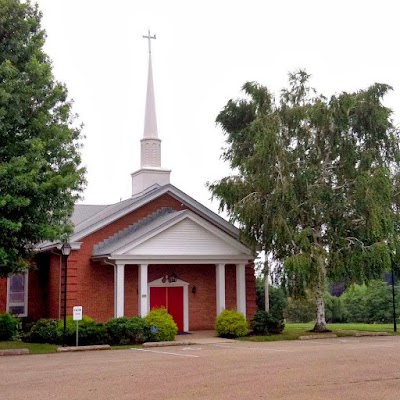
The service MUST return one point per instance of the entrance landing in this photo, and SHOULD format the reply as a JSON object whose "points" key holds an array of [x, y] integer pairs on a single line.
{"points": [[192, 338], [201, 337]]}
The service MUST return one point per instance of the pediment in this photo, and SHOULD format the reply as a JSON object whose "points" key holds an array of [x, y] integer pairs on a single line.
{"points": [[189, 235]]}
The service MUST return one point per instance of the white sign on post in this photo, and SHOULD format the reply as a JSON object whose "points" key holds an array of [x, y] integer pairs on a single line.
{"points": [[77, 313], [77, 316]]}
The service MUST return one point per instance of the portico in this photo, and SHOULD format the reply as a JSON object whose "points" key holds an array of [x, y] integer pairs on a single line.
{"points": [[144, 284]]}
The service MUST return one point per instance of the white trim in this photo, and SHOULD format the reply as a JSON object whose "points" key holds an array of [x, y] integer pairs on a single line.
{"points": [[220, 287], [179, 283], [143, 296], [241, 288], [26, 293], [119, 292], [176, 259]]}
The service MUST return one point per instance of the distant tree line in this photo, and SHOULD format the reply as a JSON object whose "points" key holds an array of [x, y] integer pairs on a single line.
{"points": [[370, 303]]}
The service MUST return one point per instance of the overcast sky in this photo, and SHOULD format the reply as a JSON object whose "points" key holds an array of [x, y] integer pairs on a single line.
{"points": [[204, 52]]}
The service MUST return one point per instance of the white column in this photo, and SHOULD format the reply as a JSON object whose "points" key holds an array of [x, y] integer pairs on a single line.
{"points": [[220, 286], [142, 289], [241, 288], [119, 296]]}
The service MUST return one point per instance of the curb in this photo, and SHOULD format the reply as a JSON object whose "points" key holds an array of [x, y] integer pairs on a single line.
{"points": [[83, 348], [360, 334], [320, 336], [14, 352], [163, 344]]}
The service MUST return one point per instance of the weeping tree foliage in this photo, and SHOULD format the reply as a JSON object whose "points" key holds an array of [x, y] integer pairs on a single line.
{"points": [[316, 182], [40, 173]]}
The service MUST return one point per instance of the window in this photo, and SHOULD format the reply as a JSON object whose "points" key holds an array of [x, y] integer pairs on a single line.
{"points": [[17, 294]]}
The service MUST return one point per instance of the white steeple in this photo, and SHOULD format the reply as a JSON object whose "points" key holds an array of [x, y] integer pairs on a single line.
{"points": [[150, 171]]}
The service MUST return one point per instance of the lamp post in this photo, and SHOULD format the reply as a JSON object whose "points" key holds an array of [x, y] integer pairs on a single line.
{"points": [[394, 302], [65, 251]]}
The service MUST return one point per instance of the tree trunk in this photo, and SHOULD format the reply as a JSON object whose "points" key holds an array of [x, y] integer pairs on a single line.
{"points": [[266, 286], [320, 324]]}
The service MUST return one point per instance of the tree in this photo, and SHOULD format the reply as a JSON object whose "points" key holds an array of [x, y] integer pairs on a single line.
{"points": [[40, 173], [316, 182]]}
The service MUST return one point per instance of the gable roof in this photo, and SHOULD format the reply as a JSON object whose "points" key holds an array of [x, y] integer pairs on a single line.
{"points": [[83, 212], [170, 233], [111, 213]]}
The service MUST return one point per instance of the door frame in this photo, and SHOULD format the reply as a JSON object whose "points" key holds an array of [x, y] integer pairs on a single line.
{"points": [[159, 283]]}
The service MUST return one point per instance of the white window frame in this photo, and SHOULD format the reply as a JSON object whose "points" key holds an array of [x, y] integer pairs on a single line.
{"points": [[25, 303]]}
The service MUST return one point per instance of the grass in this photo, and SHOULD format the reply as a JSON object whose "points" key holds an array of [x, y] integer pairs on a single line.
{"points": [[294, 331], [40, 348], [291, 332], [34, 348]]}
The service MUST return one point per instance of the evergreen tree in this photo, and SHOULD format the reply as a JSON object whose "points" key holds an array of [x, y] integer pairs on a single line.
{"points": [[316, 183], [40, 173]]}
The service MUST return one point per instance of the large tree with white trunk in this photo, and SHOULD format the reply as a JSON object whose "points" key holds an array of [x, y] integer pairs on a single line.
{"points": [[316, 182]]}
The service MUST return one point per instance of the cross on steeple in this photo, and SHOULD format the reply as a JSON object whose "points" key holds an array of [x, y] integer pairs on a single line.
{"points": [[149, 37]]}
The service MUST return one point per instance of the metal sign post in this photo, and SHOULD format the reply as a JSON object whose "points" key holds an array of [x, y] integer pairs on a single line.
{"points": [[77, 316]]}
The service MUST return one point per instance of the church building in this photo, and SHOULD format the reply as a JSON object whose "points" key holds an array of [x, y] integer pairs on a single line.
{"points": [[160, 247]]}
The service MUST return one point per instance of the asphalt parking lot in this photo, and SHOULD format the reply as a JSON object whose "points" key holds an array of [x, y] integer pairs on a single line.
{"points": [[343, 368]]}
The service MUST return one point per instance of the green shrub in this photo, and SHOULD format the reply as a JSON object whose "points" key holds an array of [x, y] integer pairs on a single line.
{"points": [[123, 331], [334, 309], [166, 327], [300, 310], [8, 327], [369, 303], [90, 332], [231, 324], [43, 331], [277, 299], [264, 323]]}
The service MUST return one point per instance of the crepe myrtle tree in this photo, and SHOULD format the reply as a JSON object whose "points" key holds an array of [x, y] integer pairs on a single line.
{"points": [[316, 183], [40, 173]]}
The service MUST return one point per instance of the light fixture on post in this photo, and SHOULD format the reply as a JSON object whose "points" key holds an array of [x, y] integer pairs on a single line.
{"points": [[65, 251]]}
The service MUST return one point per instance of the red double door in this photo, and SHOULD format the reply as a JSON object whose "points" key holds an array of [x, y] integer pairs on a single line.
{"points": [[172, 299]]}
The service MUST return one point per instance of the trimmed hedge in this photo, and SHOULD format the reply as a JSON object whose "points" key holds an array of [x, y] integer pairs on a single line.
{"points": [[231, 324], [264, 323], [123, 331], [8, 327], [43, 331], [166, 328], [90, 332]]}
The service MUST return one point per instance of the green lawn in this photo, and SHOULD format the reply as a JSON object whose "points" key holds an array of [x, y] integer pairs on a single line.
{"points": [[294, 331], [291, 332], [34, 348], [39, 348]]}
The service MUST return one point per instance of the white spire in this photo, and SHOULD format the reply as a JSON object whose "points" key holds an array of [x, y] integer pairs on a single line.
{"points": [[150, 118], [150, 171]]}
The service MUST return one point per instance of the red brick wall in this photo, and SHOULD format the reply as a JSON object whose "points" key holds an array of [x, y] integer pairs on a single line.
{"points": [[131, 290], [37, 291], [202, 304], [54, 282], [95, 291], [3, 295], [230, 287], [91, 284]]}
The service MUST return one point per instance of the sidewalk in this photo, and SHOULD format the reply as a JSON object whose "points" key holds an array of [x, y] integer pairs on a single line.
{"points": [[201, 337], [191, 338]]}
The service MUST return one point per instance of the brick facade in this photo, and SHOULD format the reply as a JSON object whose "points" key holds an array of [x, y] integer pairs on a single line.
{"points": [[91, 284]]}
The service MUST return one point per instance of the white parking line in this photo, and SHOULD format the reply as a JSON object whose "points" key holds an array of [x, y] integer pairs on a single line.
{"points": [[166, 352], [250, 348]]}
